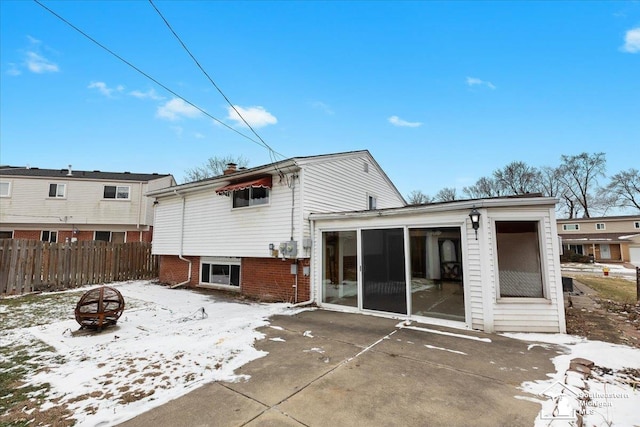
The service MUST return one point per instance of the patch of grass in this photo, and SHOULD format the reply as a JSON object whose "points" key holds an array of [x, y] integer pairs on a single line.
{"points": [[616, 289], [37, 309], [19, 402]]}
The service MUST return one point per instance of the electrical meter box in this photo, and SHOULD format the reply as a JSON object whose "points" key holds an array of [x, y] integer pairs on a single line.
{"points": [[289, 249]]}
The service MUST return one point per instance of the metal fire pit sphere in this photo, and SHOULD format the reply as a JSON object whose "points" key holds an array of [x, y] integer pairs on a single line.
{"points": [[99, 307]]}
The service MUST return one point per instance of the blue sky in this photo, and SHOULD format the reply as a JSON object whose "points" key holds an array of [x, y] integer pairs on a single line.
{"points": [[441, 93]]}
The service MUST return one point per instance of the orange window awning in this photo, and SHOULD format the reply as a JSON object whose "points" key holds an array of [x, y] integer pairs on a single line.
{"points": [[264, 182]]}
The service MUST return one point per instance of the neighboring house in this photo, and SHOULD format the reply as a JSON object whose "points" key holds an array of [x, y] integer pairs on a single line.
{"points": [[334, 230], [57, 205], [249, 230], [607, 239]]}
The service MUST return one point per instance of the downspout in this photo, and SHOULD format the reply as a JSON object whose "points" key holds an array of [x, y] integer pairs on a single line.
{"points": [[182, 242], [140, 209], [311, 299]]}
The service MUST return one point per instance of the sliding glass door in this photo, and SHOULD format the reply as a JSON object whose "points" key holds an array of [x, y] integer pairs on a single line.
{"points": [[436, 273], [340, 268], [383, 271]]}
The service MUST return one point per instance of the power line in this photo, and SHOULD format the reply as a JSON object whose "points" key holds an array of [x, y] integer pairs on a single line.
{"points": [[262, 143], [272, 152]]}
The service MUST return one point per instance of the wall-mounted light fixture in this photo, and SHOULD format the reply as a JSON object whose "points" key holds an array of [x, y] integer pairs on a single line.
{"points": [[475, 220]]}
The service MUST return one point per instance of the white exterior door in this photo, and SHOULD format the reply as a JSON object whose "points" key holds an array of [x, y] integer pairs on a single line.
{"points": [[605, 251], [634, 253]]}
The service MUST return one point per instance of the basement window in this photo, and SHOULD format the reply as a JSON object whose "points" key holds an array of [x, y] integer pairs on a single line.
{"points": [[220, 272]]}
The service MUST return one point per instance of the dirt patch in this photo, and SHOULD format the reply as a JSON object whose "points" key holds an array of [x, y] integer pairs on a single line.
{"points": [[601, 320]]}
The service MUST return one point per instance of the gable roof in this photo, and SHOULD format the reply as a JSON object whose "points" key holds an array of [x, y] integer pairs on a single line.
{"points": [[289, 165], [21, 171]]}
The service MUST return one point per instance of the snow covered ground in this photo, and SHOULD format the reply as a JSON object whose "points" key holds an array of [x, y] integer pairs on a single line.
{"points": [[597, 267], [613, 394], [169, 342]]}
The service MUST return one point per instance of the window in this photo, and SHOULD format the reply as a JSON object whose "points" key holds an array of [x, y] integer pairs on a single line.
{"points": [[600, 226], [49, 236], [577, 249], [116, 192], [636, 224], [519, 259], [110, 236], [6, 234], [57, 190], [5, 188], [103, 236], [571, 227], [220, 272], [252, 196], [372, 203]]}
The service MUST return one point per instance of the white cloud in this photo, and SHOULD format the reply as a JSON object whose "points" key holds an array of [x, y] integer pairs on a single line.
{"points": [[198, 135], [176, 109], [397, 121], [632, 41], [256, 116], [319, 105], [473, 81], [37, 63], [150, 94], [104, 89]]}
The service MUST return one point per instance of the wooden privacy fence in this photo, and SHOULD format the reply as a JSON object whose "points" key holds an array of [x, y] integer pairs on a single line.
{"points": [[31, 265]]}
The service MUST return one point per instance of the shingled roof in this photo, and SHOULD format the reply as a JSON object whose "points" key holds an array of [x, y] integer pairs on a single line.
{"points": [[68, 173]]}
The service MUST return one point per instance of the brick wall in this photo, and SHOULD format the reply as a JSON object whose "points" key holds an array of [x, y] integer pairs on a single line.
{"points": [[134, 235], [27, 234], [173, 270], [270, 279]]}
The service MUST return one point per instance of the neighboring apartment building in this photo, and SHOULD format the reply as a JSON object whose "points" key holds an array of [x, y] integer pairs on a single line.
{"points": [[607, 239], [57, 205]]}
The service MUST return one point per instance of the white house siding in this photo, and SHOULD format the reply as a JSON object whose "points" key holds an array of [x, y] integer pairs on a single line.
{"points": [[167, 223], [535, 315], [473, 274], [83, 203], [341, 184], [213, 228]]}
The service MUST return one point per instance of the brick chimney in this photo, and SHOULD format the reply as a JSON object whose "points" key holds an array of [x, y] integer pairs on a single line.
{"points": [[231, 168]]}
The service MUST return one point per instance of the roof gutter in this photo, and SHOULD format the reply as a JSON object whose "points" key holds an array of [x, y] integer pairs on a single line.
{"points": [[433, 208], [180, 253]]}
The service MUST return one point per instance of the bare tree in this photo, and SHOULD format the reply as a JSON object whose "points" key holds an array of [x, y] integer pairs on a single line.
{"points": [[550, 183], [580, 175], [447, 194], [417, 197], [517, 178], [214, 166], [625, 188], [483, 188]]}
